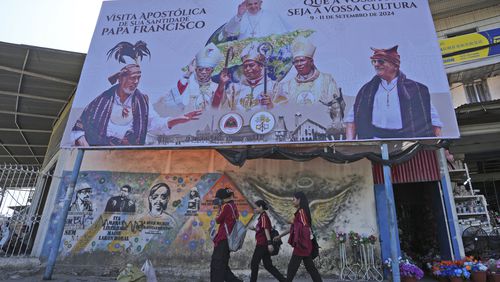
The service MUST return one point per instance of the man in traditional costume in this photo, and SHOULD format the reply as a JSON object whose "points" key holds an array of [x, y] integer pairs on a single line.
{"points": [[120, 115], [309, 86], [249, 93], [251, 21], [392, 105], [196, 90]]}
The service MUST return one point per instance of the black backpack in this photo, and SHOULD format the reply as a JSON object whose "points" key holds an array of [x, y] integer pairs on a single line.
{"points": [[276, 244]]}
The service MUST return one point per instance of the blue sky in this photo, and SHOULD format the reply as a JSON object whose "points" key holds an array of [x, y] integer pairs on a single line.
{"points": [[58, 24]]}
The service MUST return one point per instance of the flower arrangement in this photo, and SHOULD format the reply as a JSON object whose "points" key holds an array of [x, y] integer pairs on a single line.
{"points": [[354, 238], [340, 236], [475, 266], [406, 268], [448, 268], [372, 239]]}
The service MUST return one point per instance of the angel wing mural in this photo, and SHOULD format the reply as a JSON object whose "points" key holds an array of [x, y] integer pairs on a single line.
{"points": [[323, 209]]}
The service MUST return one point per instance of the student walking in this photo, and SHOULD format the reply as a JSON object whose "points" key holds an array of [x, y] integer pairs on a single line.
{"points": [[264, 244], [301, 239], [227, 215]]}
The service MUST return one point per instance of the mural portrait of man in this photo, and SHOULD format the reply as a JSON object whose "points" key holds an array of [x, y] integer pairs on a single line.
{"points": [[122, 202], [193, 202], [82, 200], [158, 198]]}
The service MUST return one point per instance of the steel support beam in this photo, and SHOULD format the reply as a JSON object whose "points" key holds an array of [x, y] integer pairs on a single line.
{"points": [[63, 214], [17, 105], [28, 114], [38, 75], [24, 145], [31, 96], [22, 156], [25, 130]]}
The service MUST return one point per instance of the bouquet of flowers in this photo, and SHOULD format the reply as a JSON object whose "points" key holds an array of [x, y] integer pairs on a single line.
{"points": [[340, 236], [368, 239], [354, 238], [372, 239], [406, 268]]}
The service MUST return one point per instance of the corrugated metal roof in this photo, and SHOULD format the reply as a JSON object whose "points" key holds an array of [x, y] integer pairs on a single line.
{"points": [[35, 87], [423, 167]]}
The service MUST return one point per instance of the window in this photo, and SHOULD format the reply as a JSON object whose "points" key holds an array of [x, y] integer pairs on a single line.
{"points": [[477, 92]]}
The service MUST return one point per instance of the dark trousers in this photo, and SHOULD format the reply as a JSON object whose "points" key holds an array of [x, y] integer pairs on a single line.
{"points": [[261, 253], [219, 266], [294, 264]]}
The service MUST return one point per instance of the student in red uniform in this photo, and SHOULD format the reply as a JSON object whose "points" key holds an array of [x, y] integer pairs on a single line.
{"points": [[227, 215], [300, 239], [264, 244]]}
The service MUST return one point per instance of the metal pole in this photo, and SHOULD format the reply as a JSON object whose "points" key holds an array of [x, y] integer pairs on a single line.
{"points": [[391, 212], [62, 217], [450, 211]]}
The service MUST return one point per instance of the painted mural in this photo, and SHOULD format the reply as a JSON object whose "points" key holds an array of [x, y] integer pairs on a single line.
{"points": [[134, 212], [166, 215]]}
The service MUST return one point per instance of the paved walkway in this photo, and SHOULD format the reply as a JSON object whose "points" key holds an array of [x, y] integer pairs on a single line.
{"points": [[71, 278]]}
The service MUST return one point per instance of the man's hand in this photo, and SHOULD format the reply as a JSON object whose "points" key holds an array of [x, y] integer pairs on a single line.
{"points": [[183, 119], [191, 69], [265, 100], [82, 141], [225, 77], [194, 115], [242, 8], [270, 248]]}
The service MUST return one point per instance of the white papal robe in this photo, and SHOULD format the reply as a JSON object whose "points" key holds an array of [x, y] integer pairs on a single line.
{"points": [[190, 95], [262, 24]]}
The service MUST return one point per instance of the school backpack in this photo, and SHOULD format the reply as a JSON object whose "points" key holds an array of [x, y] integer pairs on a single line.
{"points": [[277, 243], [236, 238]]}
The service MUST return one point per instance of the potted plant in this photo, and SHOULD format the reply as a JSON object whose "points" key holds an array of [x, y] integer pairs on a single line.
{"points": [[454, 271], [477, 269], [408, 271], [494, 270]]}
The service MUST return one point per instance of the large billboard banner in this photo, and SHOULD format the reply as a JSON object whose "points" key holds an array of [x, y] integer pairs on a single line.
{"points": [[222, 73]]}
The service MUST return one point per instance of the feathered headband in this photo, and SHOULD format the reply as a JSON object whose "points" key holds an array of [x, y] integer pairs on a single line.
{"points": [[127, 49]]}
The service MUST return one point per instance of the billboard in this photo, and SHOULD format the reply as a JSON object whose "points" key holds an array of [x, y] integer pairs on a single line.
{"points": [[470, 46], [214, 73]]}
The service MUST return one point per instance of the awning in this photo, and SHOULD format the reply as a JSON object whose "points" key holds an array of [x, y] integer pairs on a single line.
{"points": [[35, 87]]}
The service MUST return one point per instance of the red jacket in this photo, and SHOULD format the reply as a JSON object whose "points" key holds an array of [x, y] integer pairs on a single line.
{"points": [[300, 235], [260, 230], [228, 218]]}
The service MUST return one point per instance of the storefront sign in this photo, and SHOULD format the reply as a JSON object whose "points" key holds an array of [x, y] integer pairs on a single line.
{"points": [[218, 73], [470, 46]]}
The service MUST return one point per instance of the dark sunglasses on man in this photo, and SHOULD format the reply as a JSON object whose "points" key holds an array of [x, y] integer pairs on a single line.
{"points": [[379, 61]]}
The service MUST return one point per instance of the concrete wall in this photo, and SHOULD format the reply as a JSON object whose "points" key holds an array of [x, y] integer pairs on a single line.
{"points": [[341, 196], [494, 87], [459, 97], [482, 19]]}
